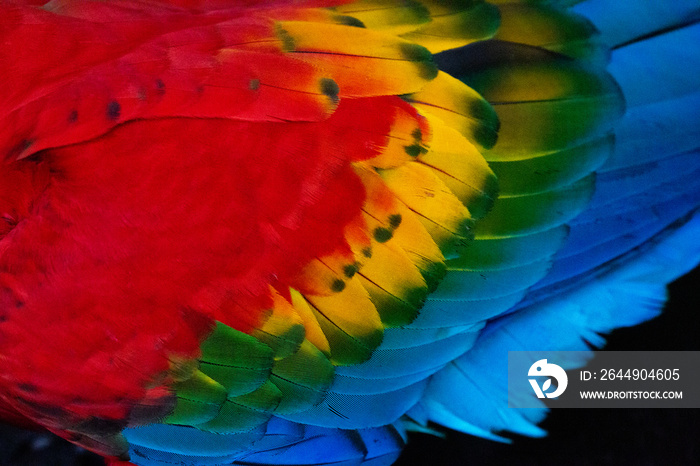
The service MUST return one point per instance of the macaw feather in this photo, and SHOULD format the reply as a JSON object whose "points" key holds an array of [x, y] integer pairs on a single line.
{"points": [[459, 107], [284, 232], [550, 27], [344, 52], [455, 24], [284, 442]]}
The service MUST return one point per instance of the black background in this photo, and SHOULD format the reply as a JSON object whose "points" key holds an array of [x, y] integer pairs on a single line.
{"points": [[577, 436]]}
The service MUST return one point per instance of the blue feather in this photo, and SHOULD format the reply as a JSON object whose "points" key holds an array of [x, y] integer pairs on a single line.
{"points": [[623, 296], [281, 442], [623, 21]]}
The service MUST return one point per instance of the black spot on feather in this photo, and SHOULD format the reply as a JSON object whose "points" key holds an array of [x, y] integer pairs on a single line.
{"points": [[73, 116], [338, 286], [415, 52], [350, 270], [330, 88], [382, 235], [287, 40], [419, 54], [160, 87], [114, 110], [395, 220], [349, 21], [414, 150], [28, 387], [486, 132]]}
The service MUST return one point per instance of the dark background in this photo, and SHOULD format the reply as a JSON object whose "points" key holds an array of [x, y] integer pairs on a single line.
{"points": [[577, 436]]}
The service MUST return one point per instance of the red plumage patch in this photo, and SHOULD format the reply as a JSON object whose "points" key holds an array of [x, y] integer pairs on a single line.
{"points": [[151, 223]]}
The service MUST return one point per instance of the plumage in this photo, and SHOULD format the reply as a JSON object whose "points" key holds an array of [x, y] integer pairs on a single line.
{"points": [[289, 232]]}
